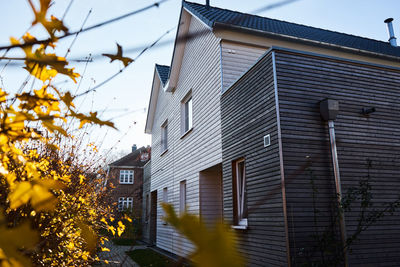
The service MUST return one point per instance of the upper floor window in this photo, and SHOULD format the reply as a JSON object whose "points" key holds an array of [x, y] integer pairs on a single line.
{"points": [[126, 176], [239, 193], [186, 114], [164, 137], [125, 203]]}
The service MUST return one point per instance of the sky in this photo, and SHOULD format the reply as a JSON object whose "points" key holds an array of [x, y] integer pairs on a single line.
{"points": [[124, 99]]}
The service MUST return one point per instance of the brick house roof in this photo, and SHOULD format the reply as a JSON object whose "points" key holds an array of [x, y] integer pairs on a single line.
{"points": [[132, 159]]}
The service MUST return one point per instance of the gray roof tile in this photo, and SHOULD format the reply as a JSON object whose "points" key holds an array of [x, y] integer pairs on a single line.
{"points": [[163, 72], [252, 22]]}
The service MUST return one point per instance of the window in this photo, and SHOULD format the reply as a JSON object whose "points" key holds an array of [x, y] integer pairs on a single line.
{"points": [[164, 137], [126, 176], [165, 200], [182, 196], [125, 203], [239, 193], [186, 114], [165, 195], [147, 207]]}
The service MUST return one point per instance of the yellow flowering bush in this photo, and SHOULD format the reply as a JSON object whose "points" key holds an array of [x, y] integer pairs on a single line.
{"points": [[51, 204]]}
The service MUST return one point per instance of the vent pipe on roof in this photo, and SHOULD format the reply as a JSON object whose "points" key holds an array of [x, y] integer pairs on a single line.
{"points": [[208, 4], [392, 38], [134, 147]]}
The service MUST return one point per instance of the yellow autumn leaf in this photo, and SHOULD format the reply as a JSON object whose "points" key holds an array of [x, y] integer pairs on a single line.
{"points": [[11, 177], [3, 95], [215, 246], [70, 245], [121, 228], [13, 240], [3, 139], [112, 229], [103, 220], [118, 56], [81, 178], [105, 249], [53, 25], [42, 199], [20, 195]]}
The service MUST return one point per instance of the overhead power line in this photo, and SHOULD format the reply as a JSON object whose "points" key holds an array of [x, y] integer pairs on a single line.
{"points": [[49, 40]]}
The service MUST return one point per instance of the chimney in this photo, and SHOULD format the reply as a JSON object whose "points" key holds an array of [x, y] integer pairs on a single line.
{"points": [[392, 38], [208, 4], [134, 147]]}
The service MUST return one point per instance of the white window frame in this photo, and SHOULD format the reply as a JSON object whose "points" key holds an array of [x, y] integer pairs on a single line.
{"points": [[125, 203], [126, 176], [164, 137], [240, 216], [187, 114], [182, 196]]}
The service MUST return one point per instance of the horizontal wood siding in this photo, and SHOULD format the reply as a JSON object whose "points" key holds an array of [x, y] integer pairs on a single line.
{"points": [[146, 206], [211, 195], [236, 60], [247, 114], [198, 149], [303, 81]]}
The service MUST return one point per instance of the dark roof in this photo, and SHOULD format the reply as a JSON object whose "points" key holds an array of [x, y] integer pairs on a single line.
{"points": [[163, 72], [214, 15], [132, 159]]}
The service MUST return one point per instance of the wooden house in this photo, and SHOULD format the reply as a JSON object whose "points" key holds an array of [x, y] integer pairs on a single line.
{"points": [[237, 133]]}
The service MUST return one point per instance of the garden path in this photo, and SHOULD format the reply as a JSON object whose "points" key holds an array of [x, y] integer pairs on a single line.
{"points": [[117, 256]]}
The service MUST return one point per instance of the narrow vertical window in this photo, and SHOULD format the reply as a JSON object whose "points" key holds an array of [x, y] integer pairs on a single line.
{"points": [[129, 203], [165, 200], [239, 193], [120, 204], [165, 195], [147, 207], [186, 114], [182, 196], [164, 137]]}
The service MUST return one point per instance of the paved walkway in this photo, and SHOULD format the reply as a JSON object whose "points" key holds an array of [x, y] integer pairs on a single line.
{"points": [[117, 256]]}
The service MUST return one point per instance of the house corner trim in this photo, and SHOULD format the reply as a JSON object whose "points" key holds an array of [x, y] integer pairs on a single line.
{"points": [[278, 124]]}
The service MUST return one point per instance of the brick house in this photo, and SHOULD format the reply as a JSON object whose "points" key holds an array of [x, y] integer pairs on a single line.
{"points": [[126, 177]]}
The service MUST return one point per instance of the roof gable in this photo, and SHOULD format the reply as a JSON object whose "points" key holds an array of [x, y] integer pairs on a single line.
{"points": [[132, 159], [155, 88], [163, 73], [214, 16]]}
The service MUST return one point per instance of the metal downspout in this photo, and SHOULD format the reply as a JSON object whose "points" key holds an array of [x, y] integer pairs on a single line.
{"points": [[329, 109], [338, 186]]}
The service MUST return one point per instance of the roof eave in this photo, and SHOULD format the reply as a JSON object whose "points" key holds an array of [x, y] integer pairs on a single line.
{"points": [[220, 25], [179, 46], [152, 102]]}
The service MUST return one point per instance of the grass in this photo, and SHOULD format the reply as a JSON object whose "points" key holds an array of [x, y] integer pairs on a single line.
{"points": [[150, 258], [124, 241]]}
